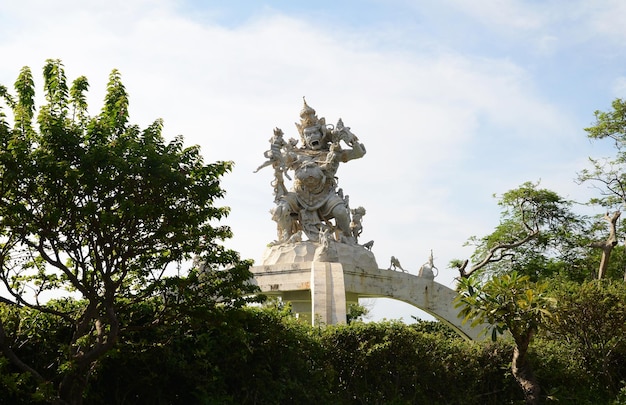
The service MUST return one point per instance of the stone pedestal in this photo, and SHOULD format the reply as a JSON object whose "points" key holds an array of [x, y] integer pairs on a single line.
{"points": [[316, 289], [301, 252], [328, 293]]}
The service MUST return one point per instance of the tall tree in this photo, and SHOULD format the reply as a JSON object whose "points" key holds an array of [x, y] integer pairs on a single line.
{"points": [[106, 212], [534, 224], [607, 174]]}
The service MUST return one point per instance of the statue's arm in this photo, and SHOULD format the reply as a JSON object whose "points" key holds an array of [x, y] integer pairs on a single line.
{"points": [[290, 158], [357, 151]]}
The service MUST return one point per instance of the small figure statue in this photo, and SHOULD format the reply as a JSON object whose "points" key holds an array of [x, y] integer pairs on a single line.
{"points": [[369, 245], [274, 154], [325, 251], [345, 198], [356, 226], [428, 269], [325, 238], [295, 238], [345, 134], [331, 163], [395, 264]]}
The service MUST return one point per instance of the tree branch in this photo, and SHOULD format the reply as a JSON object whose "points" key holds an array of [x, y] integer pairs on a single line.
{"points": [[489, 257], [10, 354]]}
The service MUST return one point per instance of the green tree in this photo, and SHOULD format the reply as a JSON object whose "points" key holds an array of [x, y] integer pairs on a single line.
{"points": [[536, 226], [512, 303], [608, 175], [98, 209], [357, 312]]}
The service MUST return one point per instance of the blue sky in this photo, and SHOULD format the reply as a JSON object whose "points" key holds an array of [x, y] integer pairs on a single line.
{"points": [[454, 100]]}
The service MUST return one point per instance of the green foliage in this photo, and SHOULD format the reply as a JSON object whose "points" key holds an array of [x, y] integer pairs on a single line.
{"points": [[530, 207], [391, 362], [564, 377], [611, 124], [607, 175], [108, 212], [510, 302], [435, 328], [536, 227], [246, 356], [356, 312], [591, 317], [264, 355]]}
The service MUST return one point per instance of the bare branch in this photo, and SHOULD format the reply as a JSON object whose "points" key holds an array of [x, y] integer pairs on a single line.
{"points": [[495, 254]]}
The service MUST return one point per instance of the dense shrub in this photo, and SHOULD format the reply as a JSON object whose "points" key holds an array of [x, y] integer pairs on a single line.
{"points": [[265, 356], [245, 357], [391, 362], [563, 376], [589, 327]]}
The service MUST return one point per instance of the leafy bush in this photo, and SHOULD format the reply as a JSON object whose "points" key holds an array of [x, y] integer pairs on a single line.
{"points": [[242, 357], [391, 362], [263, 355]]}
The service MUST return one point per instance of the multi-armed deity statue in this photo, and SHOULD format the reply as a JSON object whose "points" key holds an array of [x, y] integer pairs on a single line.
{"points": [[327, 271], [322, 276], [314, 205]]}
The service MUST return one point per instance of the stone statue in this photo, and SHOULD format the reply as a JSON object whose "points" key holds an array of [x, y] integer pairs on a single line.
{"points": [[274, 155], [395, 264], [275, 158], [313, 205], [428, 269], [295, 238], [356, 227], [325, 251]]}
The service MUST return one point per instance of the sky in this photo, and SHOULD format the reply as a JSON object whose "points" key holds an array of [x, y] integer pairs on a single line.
{"points": [[455, 101]]}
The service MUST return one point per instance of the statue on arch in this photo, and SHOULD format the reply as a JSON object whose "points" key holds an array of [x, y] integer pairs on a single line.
{"points": [[313, 205], [428, 269]]}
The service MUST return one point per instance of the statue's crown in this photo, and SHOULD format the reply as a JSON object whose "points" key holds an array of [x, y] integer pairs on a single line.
{"points": [[309, 119], [307, 116]]}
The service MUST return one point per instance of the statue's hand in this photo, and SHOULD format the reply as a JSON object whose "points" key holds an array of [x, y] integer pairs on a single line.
{"points": [[357, 151]]}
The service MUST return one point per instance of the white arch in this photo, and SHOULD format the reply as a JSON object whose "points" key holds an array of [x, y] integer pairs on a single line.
{"points": [[322, 290]]}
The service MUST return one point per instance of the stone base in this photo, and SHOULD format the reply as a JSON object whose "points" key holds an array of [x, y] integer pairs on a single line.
{"points": [[308, 251]]}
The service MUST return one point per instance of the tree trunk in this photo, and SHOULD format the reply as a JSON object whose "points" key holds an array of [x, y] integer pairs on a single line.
{"points": [[73, 386], [625, 268], [523, 372], [607, 245]]}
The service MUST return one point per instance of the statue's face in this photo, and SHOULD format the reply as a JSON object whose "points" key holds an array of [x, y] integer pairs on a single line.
{"points": [[313, 138]]}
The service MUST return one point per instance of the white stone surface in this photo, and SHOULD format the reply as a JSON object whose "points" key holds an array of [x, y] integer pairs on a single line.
{"points": [[303, 283], [328, 294], [351, 255]]}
